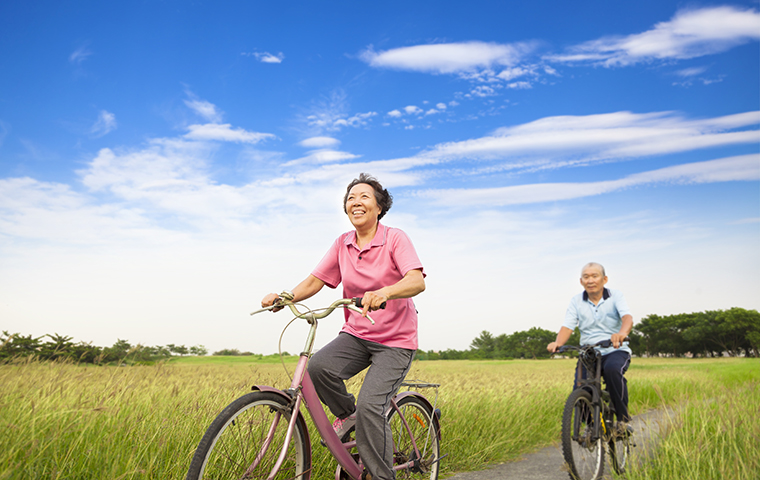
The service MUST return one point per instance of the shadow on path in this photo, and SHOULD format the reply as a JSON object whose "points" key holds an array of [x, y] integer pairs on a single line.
{"points": [[548, 464]]}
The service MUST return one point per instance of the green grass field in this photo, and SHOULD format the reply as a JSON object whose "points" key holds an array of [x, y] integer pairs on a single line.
{"points": [[62, 421]]}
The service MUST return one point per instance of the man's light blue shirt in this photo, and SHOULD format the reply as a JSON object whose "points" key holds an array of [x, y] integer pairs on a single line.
{"points": [[598, 322]]}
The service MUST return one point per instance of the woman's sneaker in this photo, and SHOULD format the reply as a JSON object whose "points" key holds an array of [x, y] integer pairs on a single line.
{"points": [[344, 425]]}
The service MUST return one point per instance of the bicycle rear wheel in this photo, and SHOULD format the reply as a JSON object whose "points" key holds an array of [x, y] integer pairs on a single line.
{"points": [[425, 433], [236, 446], [583, 452]]}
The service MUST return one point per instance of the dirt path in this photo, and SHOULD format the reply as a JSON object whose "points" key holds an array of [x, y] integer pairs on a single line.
{"points": [[548, 464]]}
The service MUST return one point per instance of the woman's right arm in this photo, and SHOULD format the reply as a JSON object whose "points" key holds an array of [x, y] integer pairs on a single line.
{"points": [[308, 288]]}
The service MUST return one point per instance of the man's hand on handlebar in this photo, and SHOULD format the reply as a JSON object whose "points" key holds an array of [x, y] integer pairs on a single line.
{"points": [[618, 339]]}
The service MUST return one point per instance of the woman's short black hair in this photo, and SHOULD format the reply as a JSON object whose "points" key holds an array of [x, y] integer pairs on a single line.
{"points": [[383, 197]]}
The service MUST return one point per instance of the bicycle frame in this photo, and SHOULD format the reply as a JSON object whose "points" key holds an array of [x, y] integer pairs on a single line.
{"points": [[302, 391], [594, 386]]}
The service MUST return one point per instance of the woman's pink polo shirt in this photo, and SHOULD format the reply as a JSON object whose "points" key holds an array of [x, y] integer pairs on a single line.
{"points": [[382, 262]]}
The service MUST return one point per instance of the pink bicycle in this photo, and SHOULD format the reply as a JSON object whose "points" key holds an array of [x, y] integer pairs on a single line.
{"points": [[263, 434]]}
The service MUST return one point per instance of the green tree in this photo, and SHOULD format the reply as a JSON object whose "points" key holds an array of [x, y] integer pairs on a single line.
{"points": [[198, 350], [483, 346]]}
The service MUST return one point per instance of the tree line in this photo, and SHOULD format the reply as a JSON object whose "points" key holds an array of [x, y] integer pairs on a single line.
{"points": [[713, 333], [61, 347]]}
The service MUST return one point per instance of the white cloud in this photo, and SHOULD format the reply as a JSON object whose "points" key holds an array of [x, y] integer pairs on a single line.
{"points": [[740, 168], [690, 34], [357, 120], [413, 110], [395, 113], [321, 157], [512, 73], [319, 142], [330, 114], [440, 106], [225, 133], [448, 58], [691, 72], [572, 140], [519, 85], [266, 57], [205, 109], [80, 55], [482, 91], [105, 124]]}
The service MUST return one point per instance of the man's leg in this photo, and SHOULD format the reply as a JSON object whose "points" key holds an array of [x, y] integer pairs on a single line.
{"points": [[337, 361], [373, 434], [614, 366]]}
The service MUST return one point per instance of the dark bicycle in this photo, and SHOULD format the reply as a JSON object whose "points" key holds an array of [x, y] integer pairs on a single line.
{"points": [[589, 421]]}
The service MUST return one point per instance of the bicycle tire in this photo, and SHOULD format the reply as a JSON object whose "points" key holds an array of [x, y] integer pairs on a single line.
{"points": [[426, 432], [583, 454], [620, 450], [235, 438]]}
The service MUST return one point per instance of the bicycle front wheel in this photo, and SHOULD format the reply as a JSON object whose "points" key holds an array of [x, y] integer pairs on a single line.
{"points": [[582, 449], [246, 439], [424, 434], [620, 449]]}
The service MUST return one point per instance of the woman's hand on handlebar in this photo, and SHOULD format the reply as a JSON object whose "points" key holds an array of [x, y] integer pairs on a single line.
{"points": [[270, 300], [372, 301]]}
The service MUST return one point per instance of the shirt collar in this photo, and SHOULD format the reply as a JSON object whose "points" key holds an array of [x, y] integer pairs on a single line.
{"points": [[381, 236], [605, 294]]}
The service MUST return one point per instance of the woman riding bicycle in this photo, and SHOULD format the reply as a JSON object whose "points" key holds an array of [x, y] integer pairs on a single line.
{"points": [[378, 264]]}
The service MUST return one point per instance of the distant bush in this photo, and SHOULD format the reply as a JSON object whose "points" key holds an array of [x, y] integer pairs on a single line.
{"points": [[232, 352]]}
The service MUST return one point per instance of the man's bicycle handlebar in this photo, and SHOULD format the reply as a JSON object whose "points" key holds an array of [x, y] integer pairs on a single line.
{"points": [[604, 344], [286, 299]]}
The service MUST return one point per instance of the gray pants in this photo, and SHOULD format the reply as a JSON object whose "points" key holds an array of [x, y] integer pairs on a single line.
{"points": [[340, 360]]}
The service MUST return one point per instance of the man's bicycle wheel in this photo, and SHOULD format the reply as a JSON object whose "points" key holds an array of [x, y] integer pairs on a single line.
{"points": [[583, 451]]}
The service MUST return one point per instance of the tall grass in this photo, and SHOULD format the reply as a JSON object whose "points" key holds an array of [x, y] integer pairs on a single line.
{"points": [[63, 421], [713, 435]]}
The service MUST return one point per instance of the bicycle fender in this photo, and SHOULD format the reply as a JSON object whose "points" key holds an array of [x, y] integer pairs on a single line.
{"points": [[426, 402], [288, 398]]}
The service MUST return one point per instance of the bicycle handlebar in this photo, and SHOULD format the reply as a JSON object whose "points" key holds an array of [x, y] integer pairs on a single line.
{"points": [[286, 299], [603, 343]]}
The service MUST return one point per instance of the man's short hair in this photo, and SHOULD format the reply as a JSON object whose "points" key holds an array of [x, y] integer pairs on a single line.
{"points": [[594, 264]]}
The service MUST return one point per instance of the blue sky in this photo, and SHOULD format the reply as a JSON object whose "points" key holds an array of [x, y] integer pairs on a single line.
{"points": [[163, 165]]}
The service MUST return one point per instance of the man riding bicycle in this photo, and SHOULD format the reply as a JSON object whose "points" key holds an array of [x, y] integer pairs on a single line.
{"points": [[601, 313]]}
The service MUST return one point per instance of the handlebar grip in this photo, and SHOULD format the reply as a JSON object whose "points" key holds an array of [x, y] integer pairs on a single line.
{"points": [[358, 303]]}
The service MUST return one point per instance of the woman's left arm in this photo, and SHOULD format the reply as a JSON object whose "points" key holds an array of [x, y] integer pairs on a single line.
{"points": [[412, 284]]}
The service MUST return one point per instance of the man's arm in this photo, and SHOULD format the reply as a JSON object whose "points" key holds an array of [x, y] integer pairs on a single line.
{"points": [[562, 338], [625, 329]]}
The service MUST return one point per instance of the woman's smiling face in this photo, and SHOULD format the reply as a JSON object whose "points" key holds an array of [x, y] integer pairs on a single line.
{"points": [[361, 206]]}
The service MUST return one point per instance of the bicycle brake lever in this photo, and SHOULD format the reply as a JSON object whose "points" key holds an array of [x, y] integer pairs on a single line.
{"points": [[266, 309], [359, 310]]}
